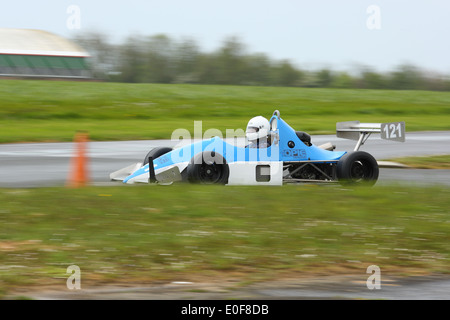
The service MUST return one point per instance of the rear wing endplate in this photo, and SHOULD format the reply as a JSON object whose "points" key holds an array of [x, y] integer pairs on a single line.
{"points": [[354, 130]]}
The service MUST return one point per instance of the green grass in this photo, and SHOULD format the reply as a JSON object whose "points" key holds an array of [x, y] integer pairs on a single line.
{"points": [[54, 110], [427, 162], [143, 234]]}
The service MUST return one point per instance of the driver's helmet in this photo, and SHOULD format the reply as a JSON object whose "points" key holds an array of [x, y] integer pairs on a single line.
{"points": [[257, 128]]}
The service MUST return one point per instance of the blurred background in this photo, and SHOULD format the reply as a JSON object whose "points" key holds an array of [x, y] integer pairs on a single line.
{"points": [[356, 44]]}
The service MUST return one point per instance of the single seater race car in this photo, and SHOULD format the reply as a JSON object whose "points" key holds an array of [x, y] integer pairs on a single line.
{"points": [[290, 157]]}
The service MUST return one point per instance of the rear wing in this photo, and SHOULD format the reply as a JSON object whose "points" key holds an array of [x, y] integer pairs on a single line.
{"points": [[354, 130]]}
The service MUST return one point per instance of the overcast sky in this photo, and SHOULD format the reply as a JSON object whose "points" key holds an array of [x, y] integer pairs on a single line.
{"points": [[324, 33]]}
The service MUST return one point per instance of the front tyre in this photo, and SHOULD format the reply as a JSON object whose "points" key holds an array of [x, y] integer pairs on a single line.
{"points": [[357, 167], [208, 167], [156, 153]]}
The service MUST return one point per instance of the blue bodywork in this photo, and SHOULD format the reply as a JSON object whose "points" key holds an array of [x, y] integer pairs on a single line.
{"points": [[288, 149]]}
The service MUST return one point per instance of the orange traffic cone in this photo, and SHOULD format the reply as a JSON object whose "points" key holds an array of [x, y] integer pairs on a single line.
{"points": [[78, 175]]}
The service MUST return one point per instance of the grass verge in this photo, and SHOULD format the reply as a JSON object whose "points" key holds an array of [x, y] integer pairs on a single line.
{"points": [[145, 234], [428, 162], [53, 111]]}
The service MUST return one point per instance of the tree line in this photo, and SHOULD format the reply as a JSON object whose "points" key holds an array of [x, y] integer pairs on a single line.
{"points": [[161, 59]]}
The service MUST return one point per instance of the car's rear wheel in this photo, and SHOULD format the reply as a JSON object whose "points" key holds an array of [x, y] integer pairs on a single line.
{"points": [[208, 168], [156, 153], [357, 167]]}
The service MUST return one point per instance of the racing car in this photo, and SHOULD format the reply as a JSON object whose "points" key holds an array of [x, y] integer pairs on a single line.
{"points": [[289, 158]]}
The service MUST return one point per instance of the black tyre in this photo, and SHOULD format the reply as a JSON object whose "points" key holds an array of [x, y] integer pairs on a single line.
{"points": [[155, 153], [208, 168], [357, 167]]}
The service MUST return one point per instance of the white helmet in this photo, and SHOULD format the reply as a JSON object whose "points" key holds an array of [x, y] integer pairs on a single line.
{"points": [[257, 128]]}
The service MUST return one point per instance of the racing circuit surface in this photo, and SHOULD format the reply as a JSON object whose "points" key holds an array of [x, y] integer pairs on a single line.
{"points": [[323, 288], [48, 164]]}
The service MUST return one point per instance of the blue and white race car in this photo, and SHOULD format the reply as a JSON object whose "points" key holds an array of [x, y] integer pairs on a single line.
{"points": [[289, 156]]}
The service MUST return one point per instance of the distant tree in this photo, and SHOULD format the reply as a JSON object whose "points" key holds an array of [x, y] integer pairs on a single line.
{"points": [[406, 77], [103, 55], [324, 78], [160, 59], [207, 71], [132, 60], [446, 84], [159, 64], [230, 62], [343, 80], [257, 70], [186, 60], [285, 74], [373, 80]]}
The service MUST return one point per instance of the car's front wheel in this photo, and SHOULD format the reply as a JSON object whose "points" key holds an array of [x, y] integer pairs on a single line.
{"points": [[156, 153], [357, 167], [208, 168]]}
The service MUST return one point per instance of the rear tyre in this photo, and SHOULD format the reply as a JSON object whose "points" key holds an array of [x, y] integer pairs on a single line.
{"points": [[155, 153], [357, 167], [208, 167]]}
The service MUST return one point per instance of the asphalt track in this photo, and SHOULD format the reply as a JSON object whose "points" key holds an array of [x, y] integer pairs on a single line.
{"points": [[340, 287], [48, 164]]}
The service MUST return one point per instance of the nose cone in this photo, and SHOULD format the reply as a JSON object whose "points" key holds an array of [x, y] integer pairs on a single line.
{"points": [[140, 175]]}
